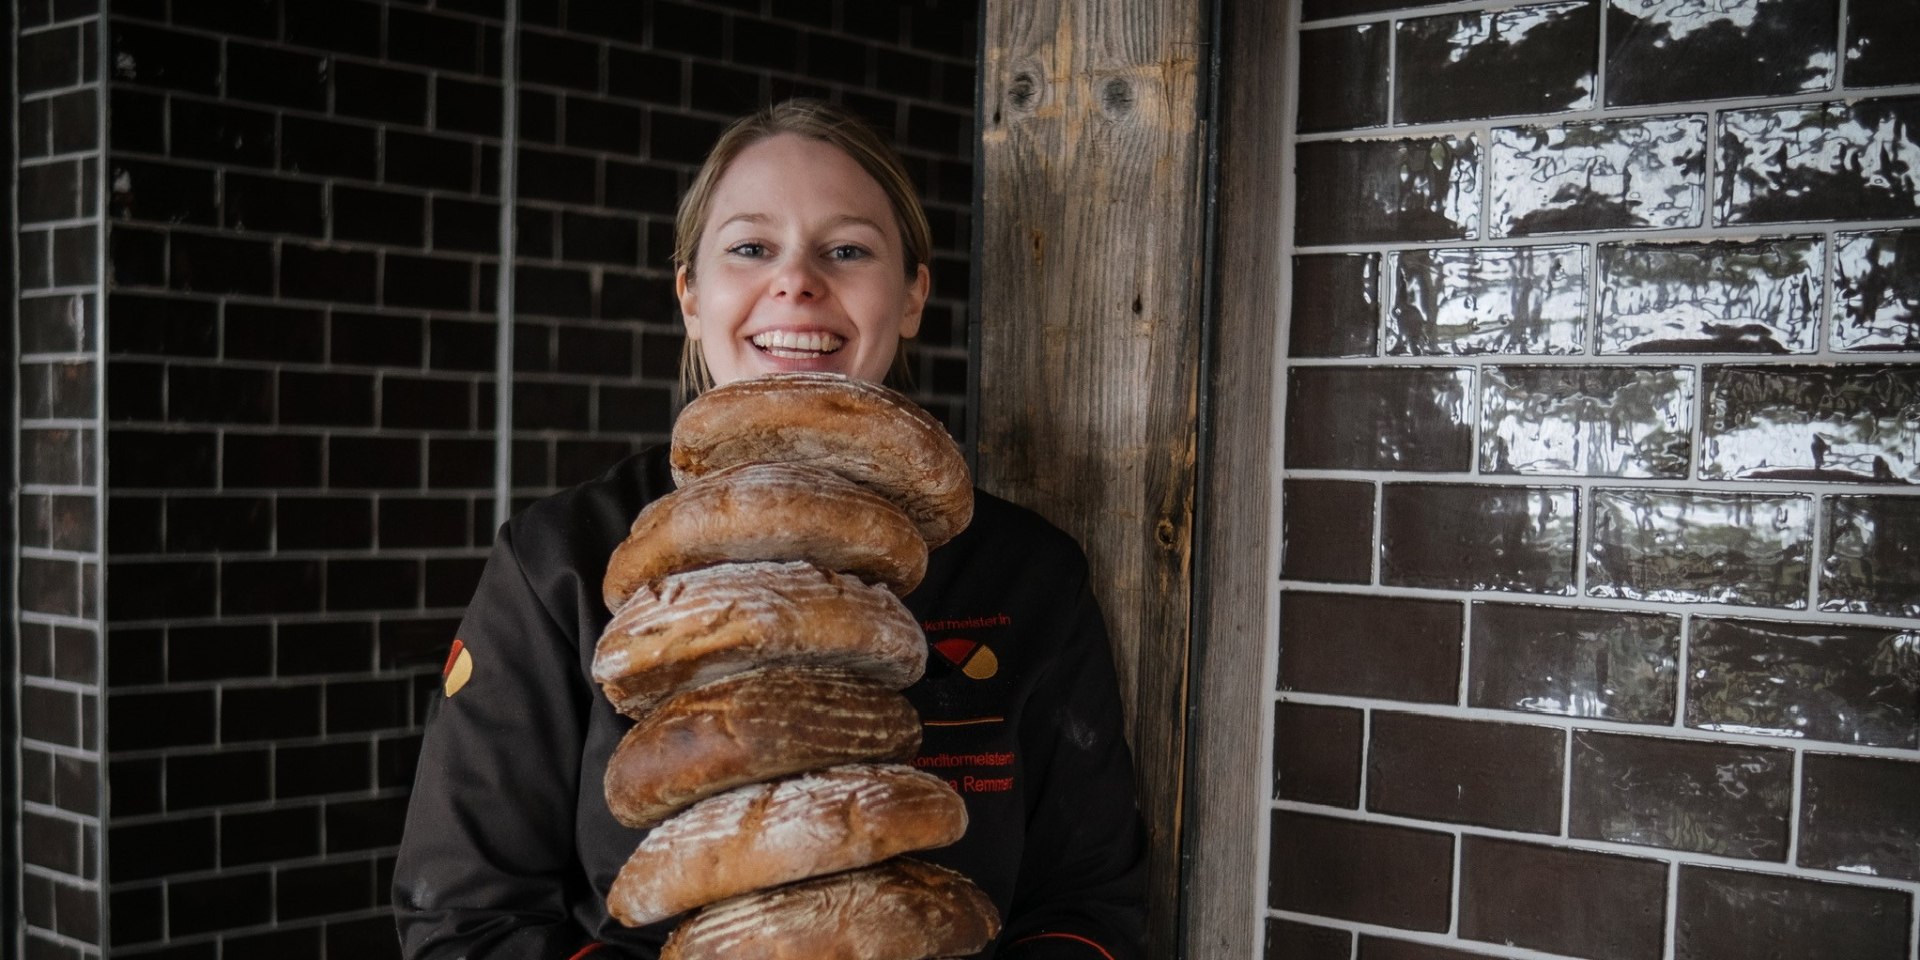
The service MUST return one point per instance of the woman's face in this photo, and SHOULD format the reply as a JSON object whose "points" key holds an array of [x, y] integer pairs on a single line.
{"points": [[799, 268]]}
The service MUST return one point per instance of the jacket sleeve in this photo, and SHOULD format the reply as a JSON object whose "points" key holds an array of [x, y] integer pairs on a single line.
{"points": [[487, 859], [1081, 892]]}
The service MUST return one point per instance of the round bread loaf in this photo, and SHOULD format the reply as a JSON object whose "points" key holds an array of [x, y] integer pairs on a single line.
{"points": [[862, 431], [771, 511], [692, 628], [899, 910], [752, 727], [767, 834]]}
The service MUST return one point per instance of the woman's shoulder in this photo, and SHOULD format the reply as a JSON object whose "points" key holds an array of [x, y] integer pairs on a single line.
{"points": [[594, 515], [1010, 533]]}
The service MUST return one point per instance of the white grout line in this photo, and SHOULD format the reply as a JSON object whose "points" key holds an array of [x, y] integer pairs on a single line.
{"points": [[1796, 807], [1442, 711], [1277, 398], [509, 195], [1671, 925], [1682, 660], [1772, 868], [1566, 782]]}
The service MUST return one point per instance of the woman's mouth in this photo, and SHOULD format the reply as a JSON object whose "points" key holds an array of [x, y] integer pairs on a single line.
{"points": [[789, 345]]}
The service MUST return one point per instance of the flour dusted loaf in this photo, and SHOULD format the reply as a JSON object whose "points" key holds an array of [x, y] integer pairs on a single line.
{"points": [[862, 431], [767, 834], [899, 910], [751, 727], [692, 628], [772, 511]]}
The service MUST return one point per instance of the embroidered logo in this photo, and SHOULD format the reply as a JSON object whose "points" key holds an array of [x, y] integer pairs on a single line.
{"points": [[975, 659], [459, 668]]}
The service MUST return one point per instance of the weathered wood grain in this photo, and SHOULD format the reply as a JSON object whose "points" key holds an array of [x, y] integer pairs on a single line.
{"points": [[1090, 330], [1238, 563]]}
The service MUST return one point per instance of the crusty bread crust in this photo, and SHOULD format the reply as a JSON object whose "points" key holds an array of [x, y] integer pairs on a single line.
{"points": [[862, 431], [900, 910], [775, 511], [751, 727], [767, 834], [696, 627]]}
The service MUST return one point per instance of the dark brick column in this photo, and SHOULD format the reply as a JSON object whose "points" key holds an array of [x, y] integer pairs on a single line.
{"points": [[60, 615], [269, 410]]}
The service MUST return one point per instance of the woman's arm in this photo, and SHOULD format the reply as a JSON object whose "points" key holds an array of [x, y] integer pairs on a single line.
{"points": [[487, 864]]}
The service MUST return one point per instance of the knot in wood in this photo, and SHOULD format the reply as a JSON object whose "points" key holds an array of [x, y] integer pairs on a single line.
{"points": [[1163, 532], [1116, 98], [1024, 92]]}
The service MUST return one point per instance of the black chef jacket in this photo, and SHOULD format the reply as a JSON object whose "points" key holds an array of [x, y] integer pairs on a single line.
{"points": [[509, 847]]}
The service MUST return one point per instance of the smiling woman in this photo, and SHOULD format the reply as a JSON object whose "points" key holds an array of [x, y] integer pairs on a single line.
{"points": [[801, 256], [800, 247]]}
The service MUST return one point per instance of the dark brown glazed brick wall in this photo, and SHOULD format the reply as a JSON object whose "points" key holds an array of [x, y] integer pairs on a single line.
{"points": [[286, 464], [1600, 593]]}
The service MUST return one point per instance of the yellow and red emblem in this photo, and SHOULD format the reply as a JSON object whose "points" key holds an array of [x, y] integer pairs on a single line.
{"points": [[459, 668], [975, 659]]}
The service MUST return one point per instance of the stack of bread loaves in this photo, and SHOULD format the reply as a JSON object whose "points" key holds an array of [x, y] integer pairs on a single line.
{"points": [[760, 642]]}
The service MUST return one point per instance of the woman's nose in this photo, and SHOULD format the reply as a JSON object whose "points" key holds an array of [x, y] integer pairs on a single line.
{"points": [[796, 282]]}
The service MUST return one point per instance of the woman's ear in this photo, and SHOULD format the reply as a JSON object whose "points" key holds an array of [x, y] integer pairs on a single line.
{"points": [[689, 300], [916, 302]]}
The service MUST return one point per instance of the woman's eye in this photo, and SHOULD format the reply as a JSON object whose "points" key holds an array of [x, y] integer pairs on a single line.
{"points": [[847, 251], [747, 249]]}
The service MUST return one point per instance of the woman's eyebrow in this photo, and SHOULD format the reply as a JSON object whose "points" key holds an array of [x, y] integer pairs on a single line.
{"points": [[843, 220]]}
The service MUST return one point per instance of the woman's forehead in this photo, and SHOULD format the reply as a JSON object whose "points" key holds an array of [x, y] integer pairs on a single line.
{"points": [[788, 176]]}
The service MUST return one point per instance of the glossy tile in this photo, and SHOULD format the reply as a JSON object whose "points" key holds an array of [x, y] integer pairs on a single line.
{"points": [[1343, 78], [1841, 160], [1858, 815], [1738, 915], [1560, 900], [1379, 418], [1366, 872], [1700, 547], [1364, 191], [1336, 306], [1381, 948], [1327, 531], [1718, 297], [1504, 775], [1578, 663], [1873, 556], [1608, 421], [1288, 940], [1533, 59], [1659, 51], [1730, 800], [1366, 646], [1805, 680], [1489, 300], [1475, 537], [1876, 290], [1830, 423], [1881, 38], [1598, 175], [1316, 754]]}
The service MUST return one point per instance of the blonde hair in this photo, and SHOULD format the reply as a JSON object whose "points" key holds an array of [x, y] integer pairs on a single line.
{"points": [[816, 120]]}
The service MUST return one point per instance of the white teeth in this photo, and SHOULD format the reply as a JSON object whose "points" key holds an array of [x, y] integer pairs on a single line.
{"points": [[786, 342]]}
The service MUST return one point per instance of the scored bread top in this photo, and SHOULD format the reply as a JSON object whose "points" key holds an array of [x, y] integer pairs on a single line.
{"points": [[902, 909], [768, 511], [766, 834], [865, 432], [751, 727], [692, 628]]}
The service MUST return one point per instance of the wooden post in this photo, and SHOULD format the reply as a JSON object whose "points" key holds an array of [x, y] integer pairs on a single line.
{"points": [[1090, 300], [1237, 567]]}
